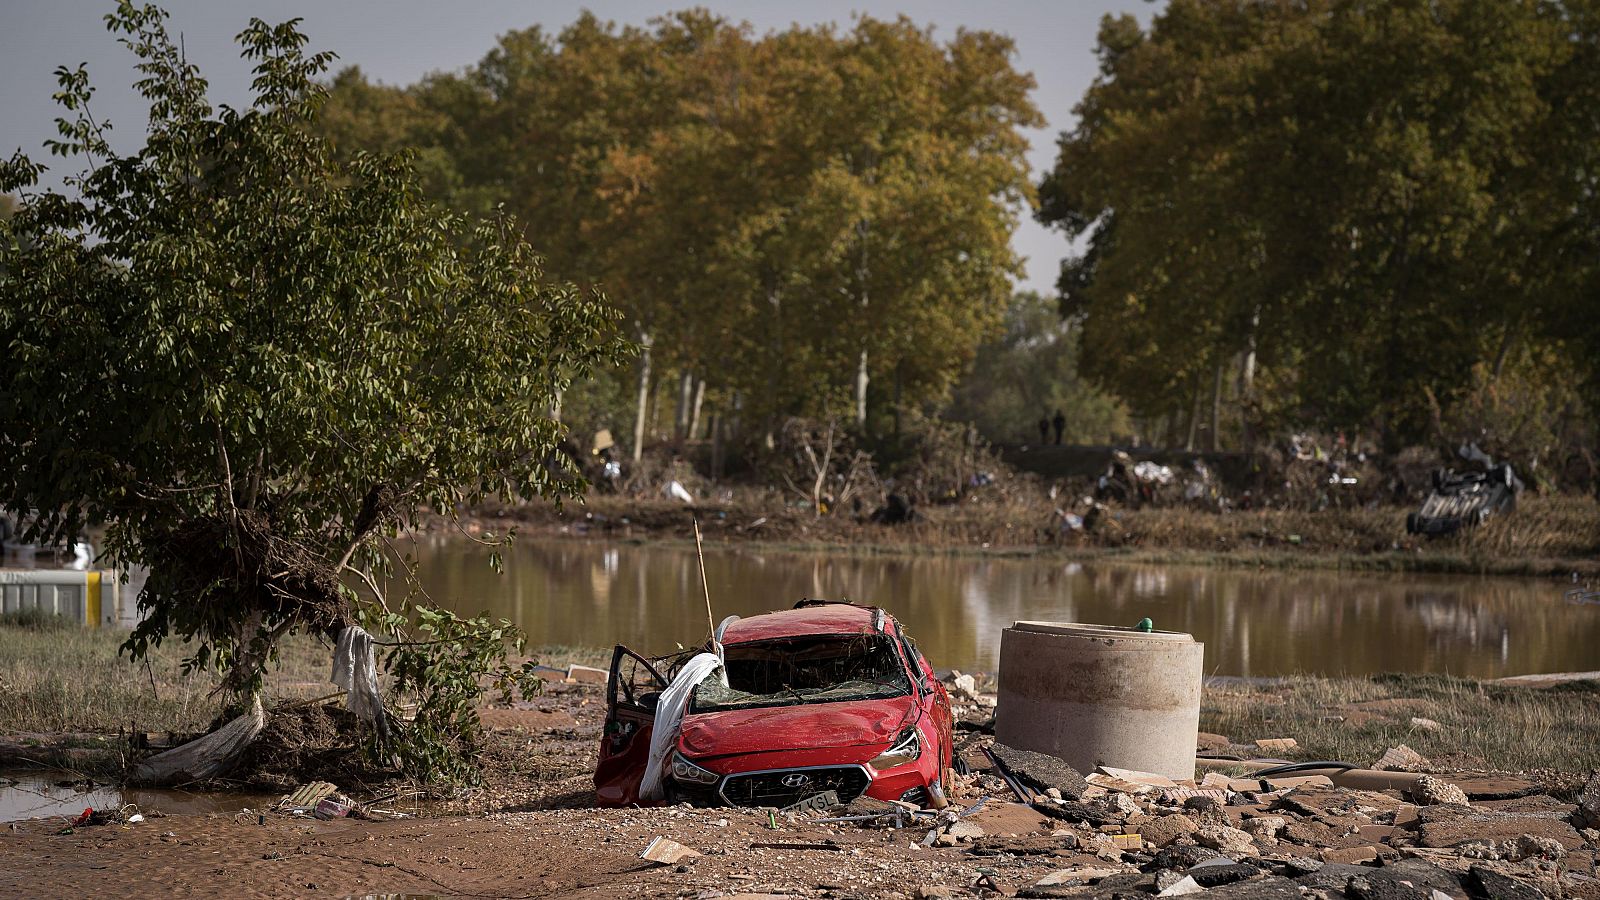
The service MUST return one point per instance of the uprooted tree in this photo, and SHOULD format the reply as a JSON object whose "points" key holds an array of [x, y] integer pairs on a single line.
{"points": [[251, 363]]}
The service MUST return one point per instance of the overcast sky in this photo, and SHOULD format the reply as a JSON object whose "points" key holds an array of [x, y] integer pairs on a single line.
{"points": [[398, 41]]}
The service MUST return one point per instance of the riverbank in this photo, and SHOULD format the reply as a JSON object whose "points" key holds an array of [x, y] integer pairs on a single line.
{"points": [[1557, 536], [530, 831], [65, 689]]}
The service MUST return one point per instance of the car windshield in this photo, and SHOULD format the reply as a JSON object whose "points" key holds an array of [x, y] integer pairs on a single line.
{"points": [[812, 669]]}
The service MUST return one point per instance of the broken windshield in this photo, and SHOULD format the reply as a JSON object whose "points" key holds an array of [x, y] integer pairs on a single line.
{"points": [[812, 669]]}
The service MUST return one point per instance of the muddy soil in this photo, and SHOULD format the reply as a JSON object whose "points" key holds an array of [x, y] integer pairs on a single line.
{"points": [[529, 833]]}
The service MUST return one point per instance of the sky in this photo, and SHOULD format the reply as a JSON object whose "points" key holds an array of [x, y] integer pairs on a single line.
{"points": [[399, 41]]}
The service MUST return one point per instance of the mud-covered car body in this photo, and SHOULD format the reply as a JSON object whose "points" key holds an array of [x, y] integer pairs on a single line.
{"points": [[1464, 499], [823, 697]]}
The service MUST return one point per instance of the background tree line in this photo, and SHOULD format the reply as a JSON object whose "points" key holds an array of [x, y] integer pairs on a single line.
{"points": [[1380, 217], [809, 222]]}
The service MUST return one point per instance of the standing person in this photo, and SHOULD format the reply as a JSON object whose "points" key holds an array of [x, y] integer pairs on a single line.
{"points": [[1044, 430], [1060, 422]]}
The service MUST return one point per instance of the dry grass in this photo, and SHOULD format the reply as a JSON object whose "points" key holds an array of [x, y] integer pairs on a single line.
{"points": [[61, 677], [56, 677], [1482, 725]]}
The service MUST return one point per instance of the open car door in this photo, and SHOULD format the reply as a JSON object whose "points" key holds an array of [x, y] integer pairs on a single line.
{"points": [[632, 690]]}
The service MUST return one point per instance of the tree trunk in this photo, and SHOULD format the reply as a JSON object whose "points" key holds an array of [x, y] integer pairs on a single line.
{"points": [[1216, 407], [1194, 415], [862, 272], [655, 410], [680, 420], [1247, 383], [716, 447], [861, 389], [644, 396], [694, 411]]}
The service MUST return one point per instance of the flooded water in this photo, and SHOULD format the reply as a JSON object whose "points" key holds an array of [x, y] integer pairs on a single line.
{"points": [[1253, 623], [34, 795]]}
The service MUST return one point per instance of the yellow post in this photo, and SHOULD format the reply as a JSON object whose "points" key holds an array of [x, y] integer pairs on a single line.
{"points": [[91, 597]]}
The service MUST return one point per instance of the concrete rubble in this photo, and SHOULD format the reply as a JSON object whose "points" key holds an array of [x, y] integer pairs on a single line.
{"points": [[1130, 834]]}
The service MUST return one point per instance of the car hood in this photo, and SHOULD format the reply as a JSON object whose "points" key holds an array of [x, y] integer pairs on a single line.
{"points": [[848, 723]]}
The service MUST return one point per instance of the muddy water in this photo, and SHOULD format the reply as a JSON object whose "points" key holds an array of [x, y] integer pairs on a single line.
{"points": [[1253, 623], [35, 795]]}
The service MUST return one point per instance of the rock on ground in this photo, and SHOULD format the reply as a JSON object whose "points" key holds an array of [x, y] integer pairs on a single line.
{"points": [[1163, 831], [1226, 839], [1431, 791]]}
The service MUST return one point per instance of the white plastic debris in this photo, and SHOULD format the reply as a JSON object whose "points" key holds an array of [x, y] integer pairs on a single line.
{"points": [[669, 718]]}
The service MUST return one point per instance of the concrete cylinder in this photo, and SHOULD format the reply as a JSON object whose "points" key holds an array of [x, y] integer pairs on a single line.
{"points": [[1099, 695]]}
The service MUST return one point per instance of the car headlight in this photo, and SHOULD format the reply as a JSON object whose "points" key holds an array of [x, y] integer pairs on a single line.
{"points": [[685, 771], [907, 746]]}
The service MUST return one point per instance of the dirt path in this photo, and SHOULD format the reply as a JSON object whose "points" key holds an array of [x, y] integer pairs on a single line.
{"points": [[558, 853]]}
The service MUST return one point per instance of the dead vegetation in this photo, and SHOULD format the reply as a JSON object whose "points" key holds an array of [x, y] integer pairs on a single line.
{"points": [[1547, 535], [1456, 723]]}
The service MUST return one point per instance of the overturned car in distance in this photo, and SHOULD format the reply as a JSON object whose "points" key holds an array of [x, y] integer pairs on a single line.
{"points": [[825, 697], [1465, 499]]}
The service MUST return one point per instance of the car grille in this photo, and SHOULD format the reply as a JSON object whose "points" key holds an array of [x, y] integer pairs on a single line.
{"points": [[768, 789]]}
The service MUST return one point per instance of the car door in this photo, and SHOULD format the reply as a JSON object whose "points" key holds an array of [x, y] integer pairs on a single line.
{"points": [[632, 689]]}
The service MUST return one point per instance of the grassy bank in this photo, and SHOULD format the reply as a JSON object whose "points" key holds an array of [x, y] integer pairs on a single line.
{"points": [[58, 676], [57, 679], [1476, 724], [1546, 536]]}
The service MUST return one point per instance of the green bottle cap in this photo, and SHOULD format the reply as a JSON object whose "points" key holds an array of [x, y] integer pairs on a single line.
{"points": [[1145, 625]]}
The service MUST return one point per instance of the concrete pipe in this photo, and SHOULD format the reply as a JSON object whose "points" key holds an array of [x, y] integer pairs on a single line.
{"points": [[1098, 695]]}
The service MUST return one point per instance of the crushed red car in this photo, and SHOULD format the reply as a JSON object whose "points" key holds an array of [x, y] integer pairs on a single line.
{"points": [[828, 696]]}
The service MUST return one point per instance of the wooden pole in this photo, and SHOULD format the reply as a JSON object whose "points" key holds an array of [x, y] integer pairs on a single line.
{"points": [[700, 552]]}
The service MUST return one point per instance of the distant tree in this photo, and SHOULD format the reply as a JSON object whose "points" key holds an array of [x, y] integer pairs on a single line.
{"points": [[251, 363], [797, 221], [1027, 373], [1272, 217]]}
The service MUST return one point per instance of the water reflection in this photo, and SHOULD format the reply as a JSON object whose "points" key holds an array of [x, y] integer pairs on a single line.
{"points": [[1253, 623]]}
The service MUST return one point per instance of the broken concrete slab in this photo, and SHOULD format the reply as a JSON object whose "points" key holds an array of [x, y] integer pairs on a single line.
{"points": [[1277, 745], [1078, 875], [1120, 785], [1487, 883], [1400, 759], [1351, 855], [1453, 826], [1228, 873], [1256, 889], [1041, 771], [1184, 885], [1366, 887]]}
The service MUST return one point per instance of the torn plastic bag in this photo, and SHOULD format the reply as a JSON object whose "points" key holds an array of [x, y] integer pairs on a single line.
{"points": [[669, 719], [355, 670]]}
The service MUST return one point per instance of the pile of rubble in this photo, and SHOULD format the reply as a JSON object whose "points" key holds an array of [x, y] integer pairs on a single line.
{"points": [[1120, 832]]}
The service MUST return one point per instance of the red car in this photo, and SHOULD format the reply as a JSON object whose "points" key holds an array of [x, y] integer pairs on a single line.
{"points": [[823, 697]]}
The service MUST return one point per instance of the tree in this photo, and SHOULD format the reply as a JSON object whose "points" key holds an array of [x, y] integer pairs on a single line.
{"points": [[771, 211], [1344, 242], [1028, 372], [251, 363]]}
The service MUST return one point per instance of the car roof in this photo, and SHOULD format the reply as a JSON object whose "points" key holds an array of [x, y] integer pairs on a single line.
{"points": [[829, 618]]}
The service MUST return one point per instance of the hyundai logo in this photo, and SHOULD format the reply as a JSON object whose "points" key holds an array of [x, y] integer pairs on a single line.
{"points": [[795, 780]]}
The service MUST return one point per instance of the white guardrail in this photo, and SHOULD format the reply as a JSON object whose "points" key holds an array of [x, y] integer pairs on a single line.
{"points": [[92, 597]]}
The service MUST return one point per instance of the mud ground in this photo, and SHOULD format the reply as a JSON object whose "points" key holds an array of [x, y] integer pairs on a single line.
{"points": [[529, 833]]}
